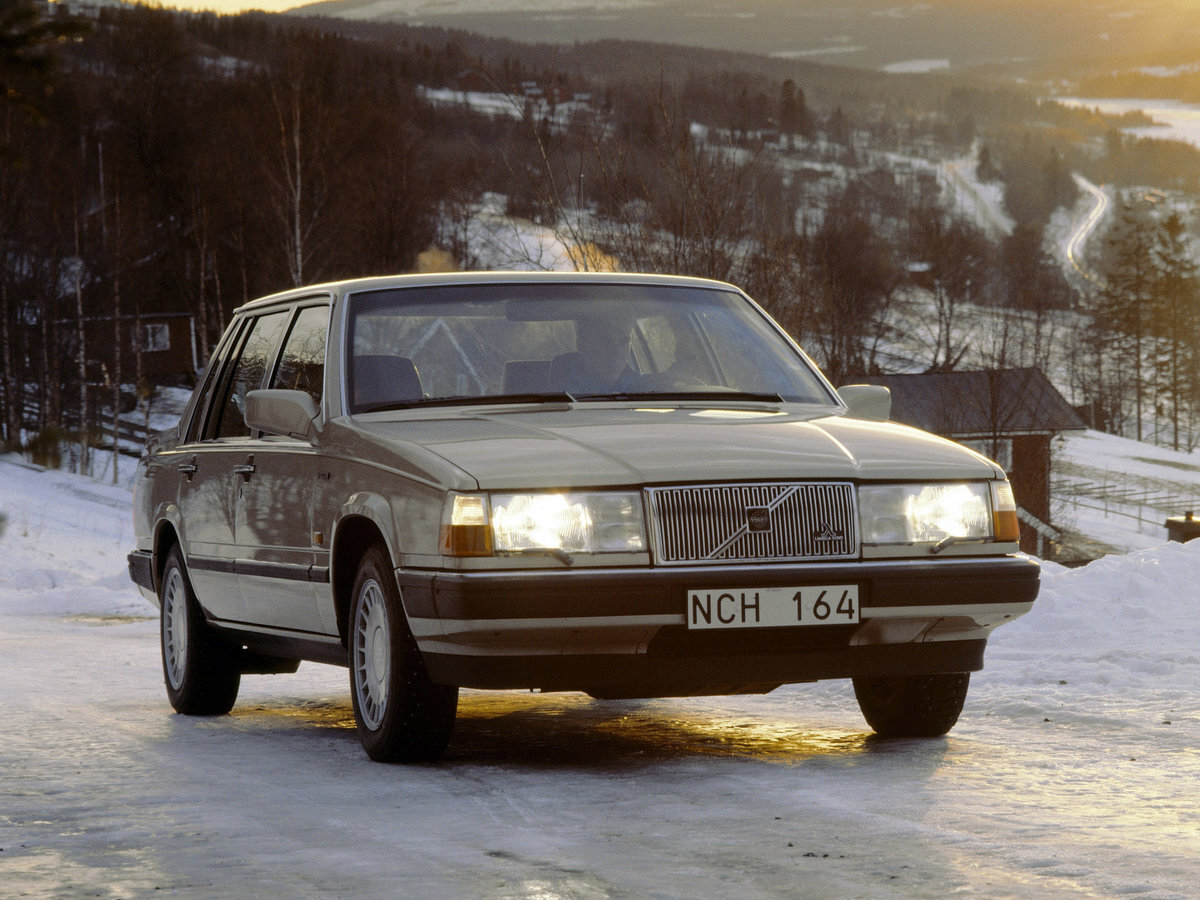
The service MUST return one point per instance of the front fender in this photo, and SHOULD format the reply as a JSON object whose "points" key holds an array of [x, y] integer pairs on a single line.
{"points": [[376, 509]]}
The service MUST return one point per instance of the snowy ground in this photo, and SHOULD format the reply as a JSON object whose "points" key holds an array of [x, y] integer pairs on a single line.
{"points": [[1072, 772]]}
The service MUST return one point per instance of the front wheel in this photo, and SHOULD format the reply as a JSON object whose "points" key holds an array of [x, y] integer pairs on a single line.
{"points": [[912, 705], [200, 669], [401, 715]]}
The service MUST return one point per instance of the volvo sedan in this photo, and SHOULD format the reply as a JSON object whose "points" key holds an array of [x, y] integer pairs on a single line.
{"points": [[627, 485]]}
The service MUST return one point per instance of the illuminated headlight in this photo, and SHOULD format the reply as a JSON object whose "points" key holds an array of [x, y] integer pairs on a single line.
{"points": [[930, 513], [481, 524]]}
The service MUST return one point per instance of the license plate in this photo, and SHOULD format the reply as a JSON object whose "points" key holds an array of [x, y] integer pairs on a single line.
{"points": [[773, 607]]}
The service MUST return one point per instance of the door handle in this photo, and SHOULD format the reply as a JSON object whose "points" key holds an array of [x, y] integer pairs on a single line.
{"points": [[245, 470], [188, 468]]}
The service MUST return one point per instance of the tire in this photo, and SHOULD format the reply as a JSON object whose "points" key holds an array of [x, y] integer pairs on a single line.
{"points": [[200, 669], [912, 705], [401, 715]]}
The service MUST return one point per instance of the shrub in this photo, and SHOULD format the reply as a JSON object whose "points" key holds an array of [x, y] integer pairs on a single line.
{"points": [[45, 448]]}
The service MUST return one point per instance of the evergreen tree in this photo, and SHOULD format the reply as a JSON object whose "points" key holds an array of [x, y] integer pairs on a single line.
{"points": [[1124, 308], [986, 169], [793, 113], [1178, 293]]}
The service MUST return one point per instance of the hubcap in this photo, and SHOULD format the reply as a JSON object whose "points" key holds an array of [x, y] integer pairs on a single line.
{"points": [[372, 655], [174, 627]]}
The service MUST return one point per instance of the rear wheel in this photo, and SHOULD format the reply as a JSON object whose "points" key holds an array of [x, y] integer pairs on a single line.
{"points": [[912, 705], [401, 715], [200, 668]]}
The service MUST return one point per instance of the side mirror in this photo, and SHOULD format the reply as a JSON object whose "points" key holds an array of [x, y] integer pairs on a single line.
{"points": [[289, 413], [867, 401]]}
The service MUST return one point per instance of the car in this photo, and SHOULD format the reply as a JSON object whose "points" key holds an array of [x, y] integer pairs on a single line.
{"points": [[626, 485]]}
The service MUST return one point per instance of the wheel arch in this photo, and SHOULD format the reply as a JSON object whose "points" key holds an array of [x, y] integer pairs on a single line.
{"points": [[355, 534], [166, 536]]}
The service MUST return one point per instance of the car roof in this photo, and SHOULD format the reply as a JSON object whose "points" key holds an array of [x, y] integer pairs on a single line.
{"points": [[341, 288]]}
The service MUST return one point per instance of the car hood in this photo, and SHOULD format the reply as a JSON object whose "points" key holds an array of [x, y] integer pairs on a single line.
{"points": [[594, 445]]}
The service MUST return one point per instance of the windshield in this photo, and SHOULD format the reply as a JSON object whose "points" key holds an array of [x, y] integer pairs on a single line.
{"points": [[566, 341]]}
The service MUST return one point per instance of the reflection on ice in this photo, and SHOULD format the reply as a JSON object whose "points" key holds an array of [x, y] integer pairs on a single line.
{"points": [[572, 730]]}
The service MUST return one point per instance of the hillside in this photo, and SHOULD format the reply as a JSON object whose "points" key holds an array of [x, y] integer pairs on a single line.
{"points": [[1053, 37], [641, 57]]}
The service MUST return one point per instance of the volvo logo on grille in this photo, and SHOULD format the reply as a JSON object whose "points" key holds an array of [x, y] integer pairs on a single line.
{"points": [[758, 518], [826, 534]]}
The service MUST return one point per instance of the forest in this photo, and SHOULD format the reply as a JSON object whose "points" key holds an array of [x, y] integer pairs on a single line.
{"points": [[156, 163]]}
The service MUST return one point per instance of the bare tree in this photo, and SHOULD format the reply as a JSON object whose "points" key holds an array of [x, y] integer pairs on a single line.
{"points": [[77, 282], [297, 198], [856, 276], [959, 263]]}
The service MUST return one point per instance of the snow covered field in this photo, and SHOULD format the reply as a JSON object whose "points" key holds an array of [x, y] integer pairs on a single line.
{"points": [[1072, 773]]}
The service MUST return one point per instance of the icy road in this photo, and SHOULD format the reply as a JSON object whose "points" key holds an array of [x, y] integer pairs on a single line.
{"points": [[1074, 771]]}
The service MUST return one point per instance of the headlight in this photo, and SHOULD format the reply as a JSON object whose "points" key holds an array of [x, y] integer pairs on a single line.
{"points": [[577, 522], [930, 513]]}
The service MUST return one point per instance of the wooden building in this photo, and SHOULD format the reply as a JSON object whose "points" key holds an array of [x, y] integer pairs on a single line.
{"points": [[167, 341]]}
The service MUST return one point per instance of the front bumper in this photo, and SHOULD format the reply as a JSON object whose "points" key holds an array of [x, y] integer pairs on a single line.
{"points": [[622, 632]]}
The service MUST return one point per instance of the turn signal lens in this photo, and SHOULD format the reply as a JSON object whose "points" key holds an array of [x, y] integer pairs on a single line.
{"points": [[465, 530], [1004, 512]]}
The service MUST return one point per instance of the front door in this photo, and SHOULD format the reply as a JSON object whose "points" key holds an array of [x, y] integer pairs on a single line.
{"points": [[209, 482], [280, 558]]}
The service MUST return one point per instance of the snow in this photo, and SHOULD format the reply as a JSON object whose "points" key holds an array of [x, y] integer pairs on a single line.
{"points": [[497, 241], [1072, 772], [916, 66], [973, 199], [1121, 492], [1176, 120]]}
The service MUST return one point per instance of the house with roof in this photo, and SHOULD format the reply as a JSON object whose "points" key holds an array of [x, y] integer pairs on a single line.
{"points": [[1009, 415]]}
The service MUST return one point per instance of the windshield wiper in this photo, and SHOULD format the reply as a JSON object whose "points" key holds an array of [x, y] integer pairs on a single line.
{"points": [[708, 396], [463, 400]]}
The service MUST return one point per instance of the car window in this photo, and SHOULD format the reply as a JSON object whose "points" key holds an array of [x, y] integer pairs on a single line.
{"points": [[302, 363], [246, 374], [204, 397], [458, 342], [738, 352]]}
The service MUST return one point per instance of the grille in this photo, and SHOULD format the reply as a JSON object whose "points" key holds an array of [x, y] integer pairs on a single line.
{"points": [[754, 522]]}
